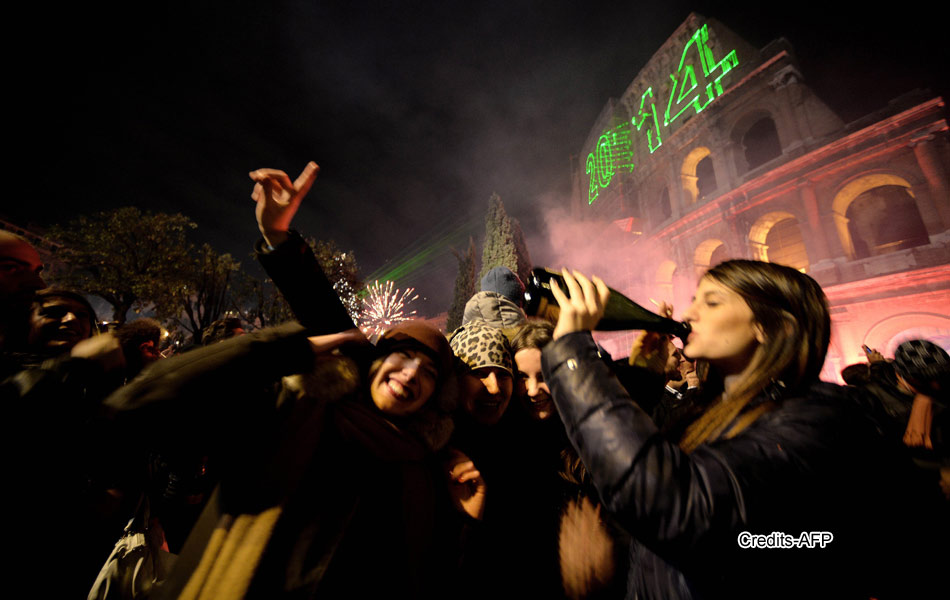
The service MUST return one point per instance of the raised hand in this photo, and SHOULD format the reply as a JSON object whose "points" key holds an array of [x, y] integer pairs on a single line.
{"points": [[585, 306], [466, 486], [278, 198], [104, 349], [651, 350]]}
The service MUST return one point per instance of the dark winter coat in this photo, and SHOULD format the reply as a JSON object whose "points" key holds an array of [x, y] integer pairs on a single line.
{"points": [[817, 463], [56, 478], [319, 497]]}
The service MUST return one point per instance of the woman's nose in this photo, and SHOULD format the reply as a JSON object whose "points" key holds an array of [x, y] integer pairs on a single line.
{"points": [[69, 316], [690, 314], [411, 367], [532, 384], [490, 382]]}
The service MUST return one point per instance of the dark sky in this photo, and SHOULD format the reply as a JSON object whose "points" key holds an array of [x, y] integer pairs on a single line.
{"points": [[416, 111]]}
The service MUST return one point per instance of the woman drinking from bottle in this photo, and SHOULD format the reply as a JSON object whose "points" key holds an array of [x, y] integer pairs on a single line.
{"points": [[781, 486]]}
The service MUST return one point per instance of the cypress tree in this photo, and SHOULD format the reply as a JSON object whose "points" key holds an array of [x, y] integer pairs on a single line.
{"points": [[499, 249], [522, 257], [465, 286]]}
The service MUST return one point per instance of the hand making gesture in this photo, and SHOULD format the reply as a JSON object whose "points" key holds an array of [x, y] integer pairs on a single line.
{"points": [[278, 199], [466, 486]]}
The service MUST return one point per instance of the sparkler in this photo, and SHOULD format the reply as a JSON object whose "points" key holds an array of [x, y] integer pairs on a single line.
{"points": [[383, 307]]}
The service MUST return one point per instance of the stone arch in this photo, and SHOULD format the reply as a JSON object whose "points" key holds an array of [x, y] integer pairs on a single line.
{"points": [[664, 280], [780, 230], [851, 191], [756, 139], [688, 172], [703, 256], [888, 333]]}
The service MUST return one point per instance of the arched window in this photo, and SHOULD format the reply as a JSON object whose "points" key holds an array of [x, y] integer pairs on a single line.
{"points": [[719, 254], [785, 246], [884, 219], [705, 177], [760, 143], [663, 208], [690, 173], [708, 254]]}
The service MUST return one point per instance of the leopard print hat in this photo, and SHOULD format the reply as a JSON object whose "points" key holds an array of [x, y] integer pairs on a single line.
{"points": [[479, 345]]}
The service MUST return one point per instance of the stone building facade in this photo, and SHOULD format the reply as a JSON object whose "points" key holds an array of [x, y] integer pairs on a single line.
{"points": [[719, 150]]}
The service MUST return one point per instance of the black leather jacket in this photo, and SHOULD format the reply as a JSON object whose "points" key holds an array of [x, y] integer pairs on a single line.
{"points": [[816, 463]]}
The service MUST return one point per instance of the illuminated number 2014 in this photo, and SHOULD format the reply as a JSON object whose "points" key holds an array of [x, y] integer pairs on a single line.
{"points": [[614, 149], [684, 81], [654, 130]]}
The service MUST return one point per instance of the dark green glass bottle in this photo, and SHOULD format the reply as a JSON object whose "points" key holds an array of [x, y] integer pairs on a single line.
{"points": [[621, 312]]}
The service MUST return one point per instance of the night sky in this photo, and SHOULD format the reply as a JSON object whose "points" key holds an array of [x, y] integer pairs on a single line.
{"points": [[415, 111]]}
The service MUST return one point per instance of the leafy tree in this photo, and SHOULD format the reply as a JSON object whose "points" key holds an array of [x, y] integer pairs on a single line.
{"points": [[341, 269], [499, 248], [259, 302], [125, 256], [465, 285], [203, 294]]}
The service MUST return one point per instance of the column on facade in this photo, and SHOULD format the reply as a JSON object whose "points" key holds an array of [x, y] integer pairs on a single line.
{"points": [[791, 113], [759, 250], [735, 241], [816, 233], [689, 189], [727, 177], [841, 224], [939, 203], [676, 190]]}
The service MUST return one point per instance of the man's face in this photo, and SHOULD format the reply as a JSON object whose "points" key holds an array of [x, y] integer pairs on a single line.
{"points": [[672, 366], [485, 393], [686, 367], [20, 267], [58, 324]]}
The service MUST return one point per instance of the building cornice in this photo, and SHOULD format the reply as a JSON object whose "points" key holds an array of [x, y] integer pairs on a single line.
{"points": [[877, 140]]}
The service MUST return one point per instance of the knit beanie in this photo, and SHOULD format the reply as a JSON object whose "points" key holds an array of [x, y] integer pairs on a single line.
{"points": [[503, 281], [419, 335], [921, 362]]}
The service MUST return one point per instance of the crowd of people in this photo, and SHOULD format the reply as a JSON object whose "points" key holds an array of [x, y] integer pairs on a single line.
{"points": [[511, 457]]}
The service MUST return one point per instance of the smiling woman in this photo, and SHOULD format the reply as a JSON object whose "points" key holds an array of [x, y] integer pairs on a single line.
{"points": [[416, 360], [341, 469], [531, 388]]}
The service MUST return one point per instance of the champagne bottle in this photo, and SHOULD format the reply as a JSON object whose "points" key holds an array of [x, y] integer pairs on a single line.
{"points": [[620, 313]]}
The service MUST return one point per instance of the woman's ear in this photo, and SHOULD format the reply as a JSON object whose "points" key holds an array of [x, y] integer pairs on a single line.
{"points": [[759, 333]]}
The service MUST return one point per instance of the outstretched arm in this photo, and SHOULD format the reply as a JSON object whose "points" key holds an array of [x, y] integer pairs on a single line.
{"points": [[287, 258]]}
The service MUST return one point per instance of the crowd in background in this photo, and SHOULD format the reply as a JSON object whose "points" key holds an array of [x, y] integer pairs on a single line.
{"points": [[510, 457]]}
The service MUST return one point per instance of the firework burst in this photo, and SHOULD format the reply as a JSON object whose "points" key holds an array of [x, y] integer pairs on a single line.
{"points": [[383, 307]]}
